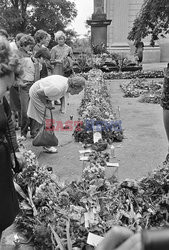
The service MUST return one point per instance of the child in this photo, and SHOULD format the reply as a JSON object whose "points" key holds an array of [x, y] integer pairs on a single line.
{"points": [[27, 78], [43, 58]]}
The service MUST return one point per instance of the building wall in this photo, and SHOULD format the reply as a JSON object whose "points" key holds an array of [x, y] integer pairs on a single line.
{"points": [[123, 13]]}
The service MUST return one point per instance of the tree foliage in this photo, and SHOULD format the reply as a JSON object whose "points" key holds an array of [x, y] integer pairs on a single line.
{"points": [[31, 15], [153, 20]]}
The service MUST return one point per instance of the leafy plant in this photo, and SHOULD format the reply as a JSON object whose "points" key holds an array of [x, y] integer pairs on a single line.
{"points": [[121, 60], [83, 62], [99, 48]]}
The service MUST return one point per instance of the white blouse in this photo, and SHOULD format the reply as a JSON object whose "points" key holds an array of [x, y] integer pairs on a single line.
{"points": [[54, 86]]}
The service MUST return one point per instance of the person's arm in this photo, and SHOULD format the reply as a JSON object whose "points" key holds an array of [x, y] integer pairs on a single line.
{"points": [[11, 136], [37, 67], [70, 52], [10, 131], [53, 54], [63, 104], [44, 99], [42, 96], [54, 58]]}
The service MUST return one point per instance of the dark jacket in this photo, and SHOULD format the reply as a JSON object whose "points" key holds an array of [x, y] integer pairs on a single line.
{"points": [[9, 206]]}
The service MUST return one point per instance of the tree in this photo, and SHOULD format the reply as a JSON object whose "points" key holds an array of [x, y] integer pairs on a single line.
{"points": [[31, 15], [153, 20]]}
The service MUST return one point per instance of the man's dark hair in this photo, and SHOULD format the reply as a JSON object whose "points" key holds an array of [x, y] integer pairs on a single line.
{"points": [[39, 35], [44, 53]]}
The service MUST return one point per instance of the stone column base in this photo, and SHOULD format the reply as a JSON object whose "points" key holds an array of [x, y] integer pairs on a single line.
{"points": [[151, 54], [164, 46], [98, 30], [122, 49]]}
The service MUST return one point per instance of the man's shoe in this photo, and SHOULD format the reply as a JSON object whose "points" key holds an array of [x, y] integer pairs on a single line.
{"points": [[57, 102]]}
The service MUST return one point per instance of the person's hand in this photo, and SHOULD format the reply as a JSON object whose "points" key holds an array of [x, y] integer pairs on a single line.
{"points": [[62, 111], [20, 83], [120, 238], [49, 105]]}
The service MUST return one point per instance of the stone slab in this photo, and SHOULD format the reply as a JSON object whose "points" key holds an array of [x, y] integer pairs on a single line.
{"points": [[151, 54]]}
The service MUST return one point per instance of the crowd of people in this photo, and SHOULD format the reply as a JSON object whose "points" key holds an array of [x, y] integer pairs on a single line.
{"points": [[37, 62], [28, 86]]}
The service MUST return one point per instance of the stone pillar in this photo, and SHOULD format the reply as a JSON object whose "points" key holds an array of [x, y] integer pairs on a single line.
{"points": [[99, 24], [98, 6], [118, 11], [120, 22]]}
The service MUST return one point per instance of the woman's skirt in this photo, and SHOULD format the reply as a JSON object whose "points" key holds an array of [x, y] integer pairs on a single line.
{"points": [[36, 108]]}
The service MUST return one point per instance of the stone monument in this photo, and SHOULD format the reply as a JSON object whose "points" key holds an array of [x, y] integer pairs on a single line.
{"points": [[98, 6], [99, 23]]}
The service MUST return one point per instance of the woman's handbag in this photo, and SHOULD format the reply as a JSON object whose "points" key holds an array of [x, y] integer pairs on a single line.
{"points": [[46, 136]]}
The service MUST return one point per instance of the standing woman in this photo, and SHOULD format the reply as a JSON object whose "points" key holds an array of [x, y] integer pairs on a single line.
{"points": [[26, 78], [62, 59], [9, 207], [42, 39], [62, 56]]}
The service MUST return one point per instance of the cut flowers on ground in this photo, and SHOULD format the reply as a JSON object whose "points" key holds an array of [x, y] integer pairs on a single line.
{"points": [[149, 91], [55, 215], [95, 110]]}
